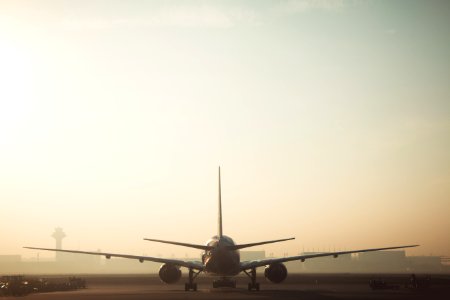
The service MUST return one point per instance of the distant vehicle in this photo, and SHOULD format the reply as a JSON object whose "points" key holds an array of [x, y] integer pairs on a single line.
{"points": [[381, 284], [418, 283], [19, 286], [15, 286], [221, 258]]}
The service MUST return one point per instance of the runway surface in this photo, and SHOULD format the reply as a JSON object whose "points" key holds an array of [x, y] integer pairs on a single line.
{"points": [[296, 287]]}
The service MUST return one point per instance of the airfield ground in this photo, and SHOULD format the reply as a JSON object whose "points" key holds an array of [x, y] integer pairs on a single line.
{"points": [[310, 286]]}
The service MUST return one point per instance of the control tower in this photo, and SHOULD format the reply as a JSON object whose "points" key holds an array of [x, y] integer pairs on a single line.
{"points": [[58, 235]]}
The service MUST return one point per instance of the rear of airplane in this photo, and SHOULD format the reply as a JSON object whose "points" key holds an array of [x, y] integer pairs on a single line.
{"points": [[230, 246]]}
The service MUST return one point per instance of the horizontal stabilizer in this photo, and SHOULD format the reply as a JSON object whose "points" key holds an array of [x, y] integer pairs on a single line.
{"points": [[201, 247], [241, 246]]}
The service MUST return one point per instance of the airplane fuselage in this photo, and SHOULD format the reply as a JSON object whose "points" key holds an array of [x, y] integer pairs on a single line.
{"points": [[220, 260]]}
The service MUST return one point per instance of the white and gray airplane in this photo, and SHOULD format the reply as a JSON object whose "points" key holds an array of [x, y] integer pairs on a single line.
{"points": [[221, 258]]}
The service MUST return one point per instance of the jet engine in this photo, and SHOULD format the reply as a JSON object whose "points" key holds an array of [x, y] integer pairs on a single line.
{"points": [[169, 273], [275, 273]]}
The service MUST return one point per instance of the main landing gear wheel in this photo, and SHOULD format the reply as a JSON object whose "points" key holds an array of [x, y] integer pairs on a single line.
{"points": [[191, 285], [252, 285]]}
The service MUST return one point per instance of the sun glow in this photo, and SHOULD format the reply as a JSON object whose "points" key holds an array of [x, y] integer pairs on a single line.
{"points": [[118, 113]]}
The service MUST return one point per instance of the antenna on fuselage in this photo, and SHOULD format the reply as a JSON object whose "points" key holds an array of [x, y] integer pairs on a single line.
{"points": [[220, 209]]}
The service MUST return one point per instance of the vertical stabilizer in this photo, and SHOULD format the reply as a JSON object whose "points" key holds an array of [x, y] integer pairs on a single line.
{"points": [[220, 209]]}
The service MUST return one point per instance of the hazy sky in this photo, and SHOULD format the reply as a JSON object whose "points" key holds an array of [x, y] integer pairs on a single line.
{"points": [[330, 119]]}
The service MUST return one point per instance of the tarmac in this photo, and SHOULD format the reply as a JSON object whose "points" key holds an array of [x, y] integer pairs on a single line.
{"points": [[297, 286]]}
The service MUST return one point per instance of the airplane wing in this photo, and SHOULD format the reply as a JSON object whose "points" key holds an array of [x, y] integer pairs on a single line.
{"points": [[196, 265], [245, 265]]}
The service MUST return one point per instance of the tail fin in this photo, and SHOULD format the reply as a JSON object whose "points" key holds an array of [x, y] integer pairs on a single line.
{"points": [[220, 209]]}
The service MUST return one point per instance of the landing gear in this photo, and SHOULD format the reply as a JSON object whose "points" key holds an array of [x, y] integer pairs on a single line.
{"points": [[224, 282], [252, 285], [191, 285]]}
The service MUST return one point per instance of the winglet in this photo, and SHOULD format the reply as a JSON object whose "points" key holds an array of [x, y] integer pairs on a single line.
{"points": [[220, 209]]}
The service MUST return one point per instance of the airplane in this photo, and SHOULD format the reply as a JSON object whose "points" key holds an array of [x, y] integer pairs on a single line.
{"points": [[220, 257]]}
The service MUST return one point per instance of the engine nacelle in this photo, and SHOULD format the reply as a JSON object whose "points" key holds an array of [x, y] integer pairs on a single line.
{"points": [[276, 273], [169, 273]]}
